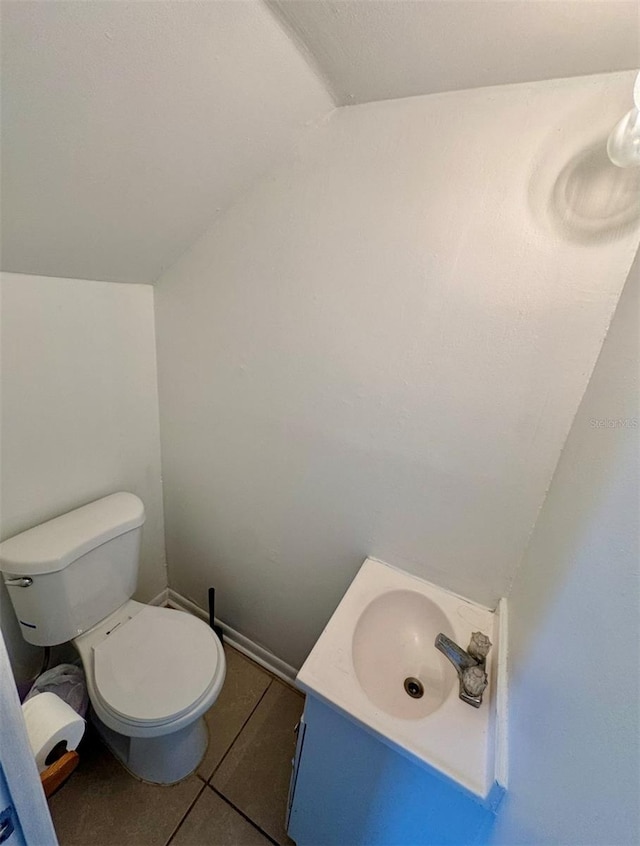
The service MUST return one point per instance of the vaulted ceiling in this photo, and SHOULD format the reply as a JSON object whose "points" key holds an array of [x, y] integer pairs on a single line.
{"points": [[128, 126]]}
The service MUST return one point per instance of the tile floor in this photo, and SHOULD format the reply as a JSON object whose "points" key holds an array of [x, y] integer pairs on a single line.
{"points": [[237, 797]]}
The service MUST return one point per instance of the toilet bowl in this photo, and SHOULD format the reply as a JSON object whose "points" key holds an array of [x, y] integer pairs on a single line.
{"points": [[151, 672]]}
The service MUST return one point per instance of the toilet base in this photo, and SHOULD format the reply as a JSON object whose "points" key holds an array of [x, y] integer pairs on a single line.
{"points": [[160, 760]]}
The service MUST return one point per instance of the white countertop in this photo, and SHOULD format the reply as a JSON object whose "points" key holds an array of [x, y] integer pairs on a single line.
{"points": [[457, 739]]}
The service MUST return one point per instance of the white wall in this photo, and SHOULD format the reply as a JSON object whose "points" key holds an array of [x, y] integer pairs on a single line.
{"points": [[79, 413], [380, 349], [574, 624]]}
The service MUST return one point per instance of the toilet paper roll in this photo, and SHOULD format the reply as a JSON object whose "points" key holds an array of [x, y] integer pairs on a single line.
{"points": [[51, 721]]}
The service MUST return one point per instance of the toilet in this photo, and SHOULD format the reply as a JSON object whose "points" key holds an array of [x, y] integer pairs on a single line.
{"points": [[151, 672]]}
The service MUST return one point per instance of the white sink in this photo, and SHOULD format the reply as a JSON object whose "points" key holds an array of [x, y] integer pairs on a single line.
{"points": [[381, 635], [392, 641]]}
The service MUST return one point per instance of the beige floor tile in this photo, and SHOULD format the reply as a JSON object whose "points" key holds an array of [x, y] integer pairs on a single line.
{"points": [[255, 774], [215, 823], [102, 805], [243, 686]]}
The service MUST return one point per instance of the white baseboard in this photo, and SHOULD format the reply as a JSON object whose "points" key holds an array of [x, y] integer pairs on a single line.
{"points": [[161, 599], [239, 641]]}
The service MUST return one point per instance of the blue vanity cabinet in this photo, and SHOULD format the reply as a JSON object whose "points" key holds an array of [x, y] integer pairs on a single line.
{"points": [[348, 788]]}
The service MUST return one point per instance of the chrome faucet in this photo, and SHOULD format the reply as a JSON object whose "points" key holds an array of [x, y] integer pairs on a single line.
{"points": [[470, 665]]}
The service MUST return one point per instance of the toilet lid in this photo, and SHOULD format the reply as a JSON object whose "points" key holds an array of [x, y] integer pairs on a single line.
{"points": [[156, 666]]}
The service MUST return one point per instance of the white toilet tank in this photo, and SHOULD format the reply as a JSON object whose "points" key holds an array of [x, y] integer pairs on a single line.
{"points": [[66, 575]]}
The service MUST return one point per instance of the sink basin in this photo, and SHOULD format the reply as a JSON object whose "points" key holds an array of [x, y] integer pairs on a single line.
{"points": [[393, 641], [376, 663]]}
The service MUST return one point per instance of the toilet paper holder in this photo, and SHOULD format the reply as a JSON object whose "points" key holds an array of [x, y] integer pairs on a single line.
{"points": [[57, 773]]}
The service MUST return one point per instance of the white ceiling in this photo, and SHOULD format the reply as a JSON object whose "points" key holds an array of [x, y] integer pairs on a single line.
{"points": [[383, 49], [127, 126]]}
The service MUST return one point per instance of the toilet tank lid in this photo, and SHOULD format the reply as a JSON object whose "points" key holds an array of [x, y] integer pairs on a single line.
{"points": [[54, 545]]}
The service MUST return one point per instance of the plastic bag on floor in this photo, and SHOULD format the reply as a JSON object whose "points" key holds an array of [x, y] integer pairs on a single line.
{"points": [[68, 682]]}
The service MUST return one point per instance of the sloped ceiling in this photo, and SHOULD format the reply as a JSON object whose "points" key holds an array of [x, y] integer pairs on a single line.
{"points": [[384, 49], [127, 126]]}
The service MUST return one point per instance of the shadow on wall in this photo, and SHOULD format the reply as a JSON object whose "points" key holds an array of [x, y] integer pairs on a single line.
{"points": [[604, 426], [592, 199], [584, 198]]}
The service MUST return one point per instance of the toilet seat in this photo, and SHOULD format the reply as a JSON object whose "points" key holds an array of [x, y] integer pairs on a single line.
{"points": [[156, 666]]}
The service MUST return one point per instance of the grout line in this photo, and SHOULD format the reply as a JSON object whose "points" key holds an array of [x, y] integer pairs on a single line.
{"points": [[206, 783], [288, 684], [291, 687], [186, 813], [250, 660], [240, 730], [244, 816]]}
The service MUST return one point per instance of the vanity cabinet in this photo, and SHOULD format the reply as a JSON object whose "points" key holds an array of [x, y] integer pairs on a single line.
{"points": [[349, 788]]}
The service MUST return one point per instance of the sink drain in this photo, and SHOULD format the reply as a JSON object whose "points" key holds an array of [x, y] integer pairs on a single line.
{"points": [[414, 687]]}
